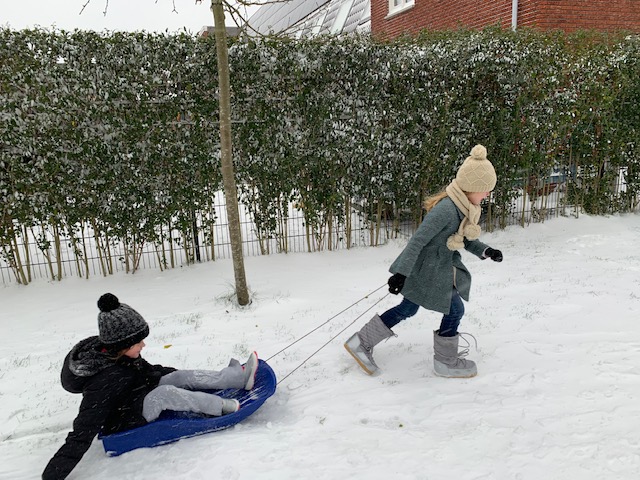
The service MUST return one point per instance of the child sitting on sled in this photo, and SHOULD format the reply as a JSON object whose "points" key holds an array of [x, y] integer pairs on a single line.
{"points": [[120, 390]]}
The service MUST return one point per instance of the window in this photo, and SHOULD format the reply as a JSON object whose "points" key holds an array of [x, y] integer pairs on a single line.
{"points": [[396, 6]]}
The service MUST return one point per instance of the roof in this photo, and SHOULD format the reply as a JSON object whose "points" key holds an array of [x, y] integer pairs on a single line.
{"points": [[312, 17]]}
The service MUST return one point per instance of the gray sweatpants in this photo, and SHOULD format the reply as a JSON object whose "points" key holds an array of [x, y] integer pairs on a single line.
{"points": [[176, 391]]}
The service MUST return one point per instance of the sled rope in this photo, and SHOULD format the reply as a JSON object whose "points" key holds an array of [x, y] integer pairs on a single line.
{"points": [[336, 335], [323, 324]]}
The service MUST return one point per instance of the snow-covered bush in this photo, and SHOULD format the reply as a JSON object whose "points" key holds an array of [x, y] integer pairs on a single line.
{"points": [[116, 133]]}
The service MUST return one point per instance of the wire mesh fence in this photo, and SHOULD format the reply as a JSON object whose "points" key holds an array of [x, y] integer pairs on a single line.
{"points": [[45, 255], [48, 255]]}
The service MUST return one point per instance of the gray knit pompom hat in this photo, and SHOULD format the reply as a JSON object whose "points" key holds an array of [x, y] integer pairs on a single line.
{"points": [[477, 173], [119, 325]]}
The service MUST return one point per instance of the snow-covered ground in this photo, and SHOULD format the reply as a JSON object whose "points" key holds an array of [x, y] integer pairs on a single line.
{"points": [[557, 395]]}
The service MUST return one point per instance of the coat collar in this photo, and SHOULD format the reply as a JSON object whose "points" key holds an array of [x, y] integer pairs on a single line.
{"points": [[88, 357]]}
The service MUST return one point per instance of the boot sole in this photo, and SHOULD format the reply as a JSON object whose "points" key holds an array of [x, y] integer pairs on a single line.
{"points": [[237, 407], [252, 378], [452, 372], [362, 365], [451, 376]]}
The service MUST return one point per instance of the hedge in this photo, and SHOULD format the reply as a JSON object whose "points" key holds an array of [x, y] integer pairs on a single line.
{"points": [[116, 133]]}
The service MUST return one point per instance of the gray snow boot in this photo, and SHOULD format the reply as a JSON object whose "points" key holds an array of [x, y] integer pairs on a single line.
{"points": [[447, 361], [360, 344], [250, 369], [230, 405]]}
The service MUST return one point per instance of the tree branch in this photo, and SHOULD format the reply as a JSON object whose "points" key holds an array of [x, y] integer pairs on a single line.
{"points": [[106, 7]]}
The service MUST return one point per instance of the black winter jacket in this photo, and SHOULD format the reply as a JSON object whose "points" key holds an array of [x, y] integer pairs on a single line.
{"points": [[112, 396]]}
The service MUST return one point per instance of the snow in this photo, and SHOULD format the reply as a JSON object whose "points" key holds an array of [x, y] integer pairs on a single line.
{"points": [[557, 395]]}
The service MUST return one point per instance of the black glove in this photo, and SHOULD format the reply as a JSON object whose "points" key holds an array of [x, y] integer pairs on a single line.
{"points": [[396, 282], [493, 254]]}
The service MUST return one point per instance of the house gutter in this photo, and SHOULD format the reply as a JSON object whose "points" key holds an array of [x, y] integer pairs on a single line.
{"points": [[514, 14]]}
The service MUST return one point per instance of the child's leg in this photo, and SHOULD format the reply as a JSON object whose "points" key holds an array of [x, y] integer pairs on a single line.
{"points": [[360, 345], [232, 376], [395, 315], [168, 397], [450, 321]]}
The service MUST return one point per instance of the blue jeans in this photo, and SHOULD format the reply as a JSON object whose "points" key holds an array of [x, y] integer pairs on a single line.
{"points": [[406, 309]]}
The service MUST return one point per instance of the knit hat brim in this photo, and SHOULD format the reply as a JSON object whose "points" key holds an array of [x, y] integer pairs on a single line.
{"points": [[129, 341]]}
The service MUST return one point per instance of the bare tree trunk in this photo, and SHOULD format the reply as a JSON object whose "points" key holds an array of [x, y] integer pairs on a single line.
{"points": [[226, 157], [27, 254]]}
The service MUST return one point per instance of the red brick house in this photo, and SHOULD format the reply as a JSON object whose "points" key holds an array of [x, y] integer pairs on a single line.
{"points": [[390, 18]]}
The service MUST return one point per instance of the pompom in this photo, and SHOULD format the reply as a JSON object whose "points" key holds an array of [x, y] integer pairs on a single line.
{"points": [[479, 152], [108, 302], [472, 231], [455, 242]]}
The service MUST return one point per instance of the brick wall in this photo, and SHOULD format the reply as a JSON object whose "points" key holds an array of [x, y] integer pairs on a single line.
{"points": [[568, 15], [580, 14]]}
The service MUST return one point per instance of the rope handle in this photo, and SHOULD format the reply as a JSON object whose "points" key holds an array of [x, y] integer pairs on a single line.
{"points": [[323, 324], [335, 336]]}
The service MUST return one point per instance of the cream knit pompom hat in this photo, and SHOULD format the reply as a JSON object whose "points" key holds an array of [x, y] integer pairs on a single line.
{"points": [[477, 174]]}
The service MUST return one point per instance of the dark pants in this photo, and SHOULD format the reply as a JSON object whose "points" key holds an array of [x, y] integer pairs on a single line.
{"points": [[406, 309]]}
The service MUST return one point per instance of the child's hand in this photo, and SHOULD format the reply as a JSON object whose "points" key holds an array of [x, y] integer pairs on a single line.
{"points": [[396, 282], [495, 255]]}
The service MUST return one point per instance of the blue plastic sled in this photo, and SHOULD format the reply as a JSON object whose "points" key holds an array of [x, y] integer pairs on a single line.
{"points": [[172, 426]]}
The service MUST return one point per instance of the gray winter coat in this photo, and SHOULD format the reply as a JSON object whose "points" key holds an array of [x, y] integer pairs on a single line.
{"points": [[430, 267]]}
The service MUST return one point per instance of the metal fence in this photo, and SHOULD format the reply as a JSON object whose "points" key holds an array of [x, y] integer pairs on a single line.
{"points": [[81, 256]]}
